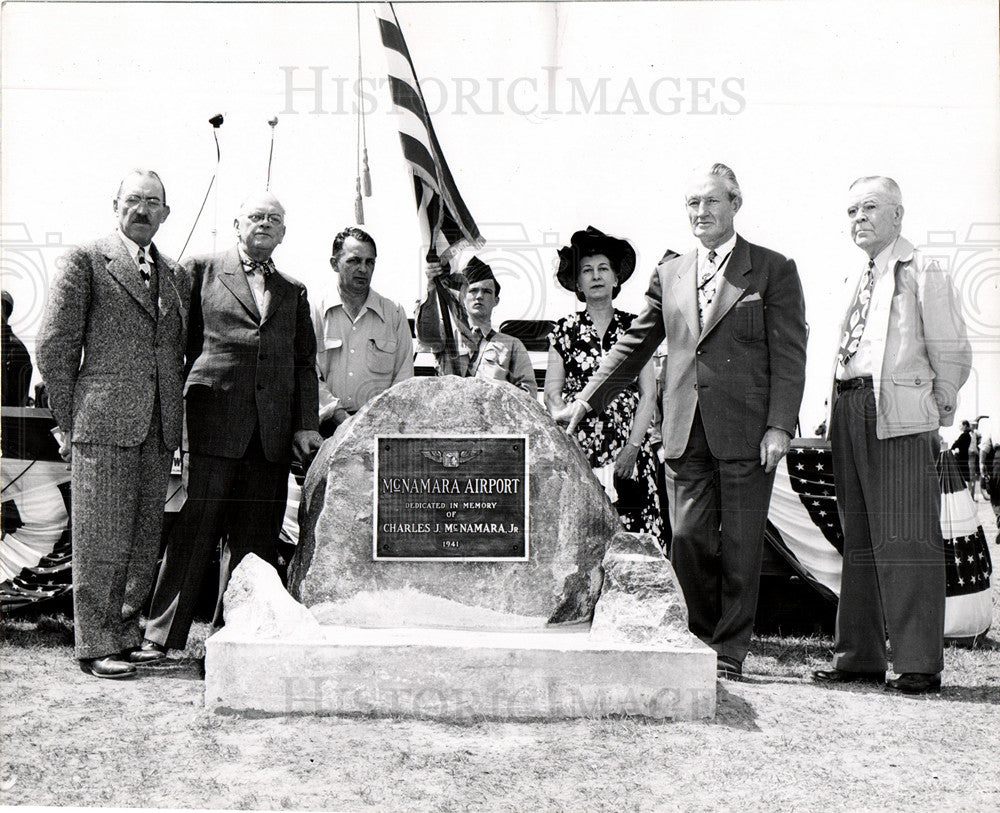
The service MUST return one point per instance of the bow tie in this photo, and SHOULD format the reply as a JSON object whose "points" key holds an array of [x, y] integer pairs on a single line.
{"points": [[265, 269]]}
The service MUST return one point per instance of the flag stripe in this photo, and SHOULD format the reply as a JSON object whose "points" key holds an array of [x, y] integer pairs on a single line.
{"points": [[404, 96], [416, 153], [445, 220]]}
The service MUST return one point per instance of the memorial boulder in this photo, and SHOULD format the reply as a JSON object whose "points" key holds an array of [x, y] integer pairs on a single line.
{"points": [[451, 493]]}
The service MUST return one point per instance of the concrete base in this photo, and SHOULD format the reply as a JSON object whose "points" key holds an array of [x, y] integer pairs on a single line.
{"points": [[458, 674]]}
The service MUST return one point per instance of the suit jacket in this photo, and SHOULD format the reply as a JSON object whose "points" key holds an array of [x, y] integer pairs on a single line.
{"points": [[247, 369], [107, 343], [919, 345], [745, 370]]}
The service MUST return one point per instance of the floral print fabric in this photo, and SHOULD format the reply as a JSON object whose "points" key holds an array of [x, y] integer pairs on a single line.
{"points": [[602, 437]]}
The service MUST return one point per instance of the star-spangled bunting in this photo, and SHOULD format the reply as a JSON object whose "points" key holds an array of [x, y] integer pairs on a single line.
{"points": [[810, 471]]}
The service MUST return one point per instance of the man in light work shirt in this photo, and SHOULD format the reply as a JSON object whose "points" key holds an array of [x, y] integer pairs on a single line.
{"points": [[363, 342], [485, 353]]}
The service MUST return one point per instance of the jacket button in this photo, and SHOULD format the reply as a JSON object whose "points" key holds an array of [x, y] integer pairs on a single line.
{"points": [[260, 387], [262, 356], [696, 386], [917, 382]]}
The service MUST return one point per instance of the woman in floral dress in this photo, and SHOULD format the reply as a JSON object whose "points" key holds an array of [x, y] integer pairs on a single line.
{"points": [[616, 442]]}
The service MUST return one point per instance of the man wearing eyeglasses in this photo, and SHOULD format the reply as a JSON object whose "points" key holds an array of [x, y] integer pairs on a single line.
{"points": [[252, 404], [111, 353]]}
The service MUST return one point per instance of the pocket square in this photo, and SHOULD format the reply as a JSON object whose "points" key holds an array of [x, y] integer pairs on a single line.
{"points": [[754, 297]]}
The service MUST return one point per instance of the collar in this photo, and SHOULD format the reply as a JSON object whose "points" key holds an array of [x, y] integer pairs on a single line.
{"points": [[376, 303], [882, 259], [133, 247], [588, 320], [246, 260], [721, 252]]}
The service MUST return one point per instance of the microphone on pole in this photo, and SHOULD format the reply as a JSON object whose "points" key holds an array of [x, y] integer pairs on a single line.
{"points": [[273, 123], [216, 122]]}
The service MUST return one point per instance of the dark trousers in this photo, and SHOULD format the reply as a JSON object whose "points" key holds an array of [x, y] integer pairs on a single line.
{"points": [[118, 496], [718, 510], [893, 577], [241, 501]]}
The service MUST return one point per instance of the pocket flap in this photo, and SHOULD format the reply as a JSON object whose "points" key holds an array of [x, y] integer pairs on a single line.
{"points": [[386, 345], [911, 378]]}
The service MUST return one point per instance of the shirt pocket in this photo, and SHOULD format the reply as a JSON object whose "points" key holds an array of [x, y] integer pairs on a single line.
{"points": [[494, 362], [748, 321], [381, 355]]}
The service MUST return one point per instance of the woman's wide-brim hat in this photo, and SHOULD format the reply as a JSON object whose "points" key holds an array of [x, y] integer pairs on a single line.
{"points": [[587, 243]]}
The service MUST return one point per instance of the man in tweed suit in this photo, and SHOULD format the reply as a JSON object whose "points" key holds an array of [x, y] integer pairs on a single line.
{"points": [[111, 355], [252, 401]]}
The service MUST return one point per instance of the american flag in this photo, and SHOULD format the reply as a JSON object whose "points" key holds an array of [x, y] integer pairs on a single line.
{"points": [[446, 225], [445, 221]]}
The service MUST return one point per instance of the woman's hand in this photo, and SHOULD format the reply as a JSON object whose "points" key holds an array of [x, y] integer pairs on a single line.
{"points": [[625, 462]]}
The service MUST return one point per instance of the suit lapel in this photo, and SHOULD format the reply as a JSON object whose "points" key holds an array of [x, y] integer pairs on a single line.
{"points": [[877, 327], [731, 286], [121, 267], [684, 288], [235, 279], [168, 291]]}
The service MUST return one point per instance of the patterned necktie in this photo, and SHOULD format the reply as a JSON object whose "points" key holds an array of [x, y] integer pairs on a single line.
{"points": [[706, 286], [265, 269], [144, 270], [854, 326]]}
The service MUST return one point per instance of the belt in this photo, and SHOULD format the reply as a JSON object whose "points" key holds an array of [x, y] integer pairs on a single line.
{"points": [[862, 383]]}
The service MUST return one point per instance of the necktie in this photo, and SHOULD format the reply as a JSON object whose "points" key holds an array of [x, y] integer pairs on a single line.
{"points": [[854, 325], [707, 286], [265, 269], [144, 270]]}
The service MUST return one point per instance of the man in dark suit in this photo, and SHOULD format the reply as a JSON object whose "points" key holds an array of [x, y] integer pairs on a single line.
{"points": [[734, 318], [111, 355], [252, 403]]}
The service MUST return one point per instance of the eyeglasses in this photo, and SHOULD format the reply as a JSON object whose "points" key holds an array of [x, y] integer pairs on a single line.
{"points": [[153, 204], [260, 217]]}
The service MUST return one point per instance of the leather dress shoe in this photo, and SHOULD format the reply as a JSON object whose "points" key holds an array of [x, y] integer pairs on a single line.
{"points": [[915, 683], [149, 652], [728, 668], [110, 666], [845, 676]]}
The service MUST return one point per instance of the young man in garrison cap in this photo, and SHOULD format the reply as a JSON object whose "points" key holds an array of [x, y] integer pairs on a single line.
{"points": [[482, 352]]}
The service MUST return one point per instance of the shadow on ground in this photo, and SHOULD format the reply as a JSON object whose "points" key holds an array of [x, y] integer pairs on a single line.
{"points": [[732, 711]]}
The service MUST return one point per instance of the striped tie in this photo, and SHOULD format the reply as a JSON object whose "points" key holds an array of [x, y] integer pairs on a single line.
{"points": [[854, 326], [144, 270]]}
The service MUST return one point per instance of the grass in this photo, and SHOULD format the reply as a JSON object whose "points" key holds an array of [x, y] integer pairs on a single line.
{"points": [[778, 741]]}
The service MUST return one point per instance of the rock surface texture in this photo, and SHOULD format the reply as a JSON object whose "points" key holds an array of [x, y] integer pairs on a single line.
{"points": [[571, 520], [641, 601], [256, 604]]}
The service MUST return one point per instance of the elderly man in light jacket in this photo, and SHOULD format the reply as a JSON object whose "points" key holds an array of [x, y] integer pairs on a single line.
{"points": [[903, 357]]}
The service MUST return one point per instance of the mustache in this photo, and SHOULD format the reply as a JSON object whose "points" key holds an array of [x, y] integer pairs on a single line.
{"points": [[141, 219]]}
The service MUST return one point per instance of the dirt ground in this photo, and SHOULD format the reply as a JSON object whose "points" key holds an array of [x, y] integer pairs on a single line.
{"points": [[778, 741]]}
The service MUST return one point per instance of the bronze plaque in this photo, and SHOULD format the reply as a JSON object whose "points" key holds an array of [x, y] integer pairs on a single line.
{"points": [[451, 498]]}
